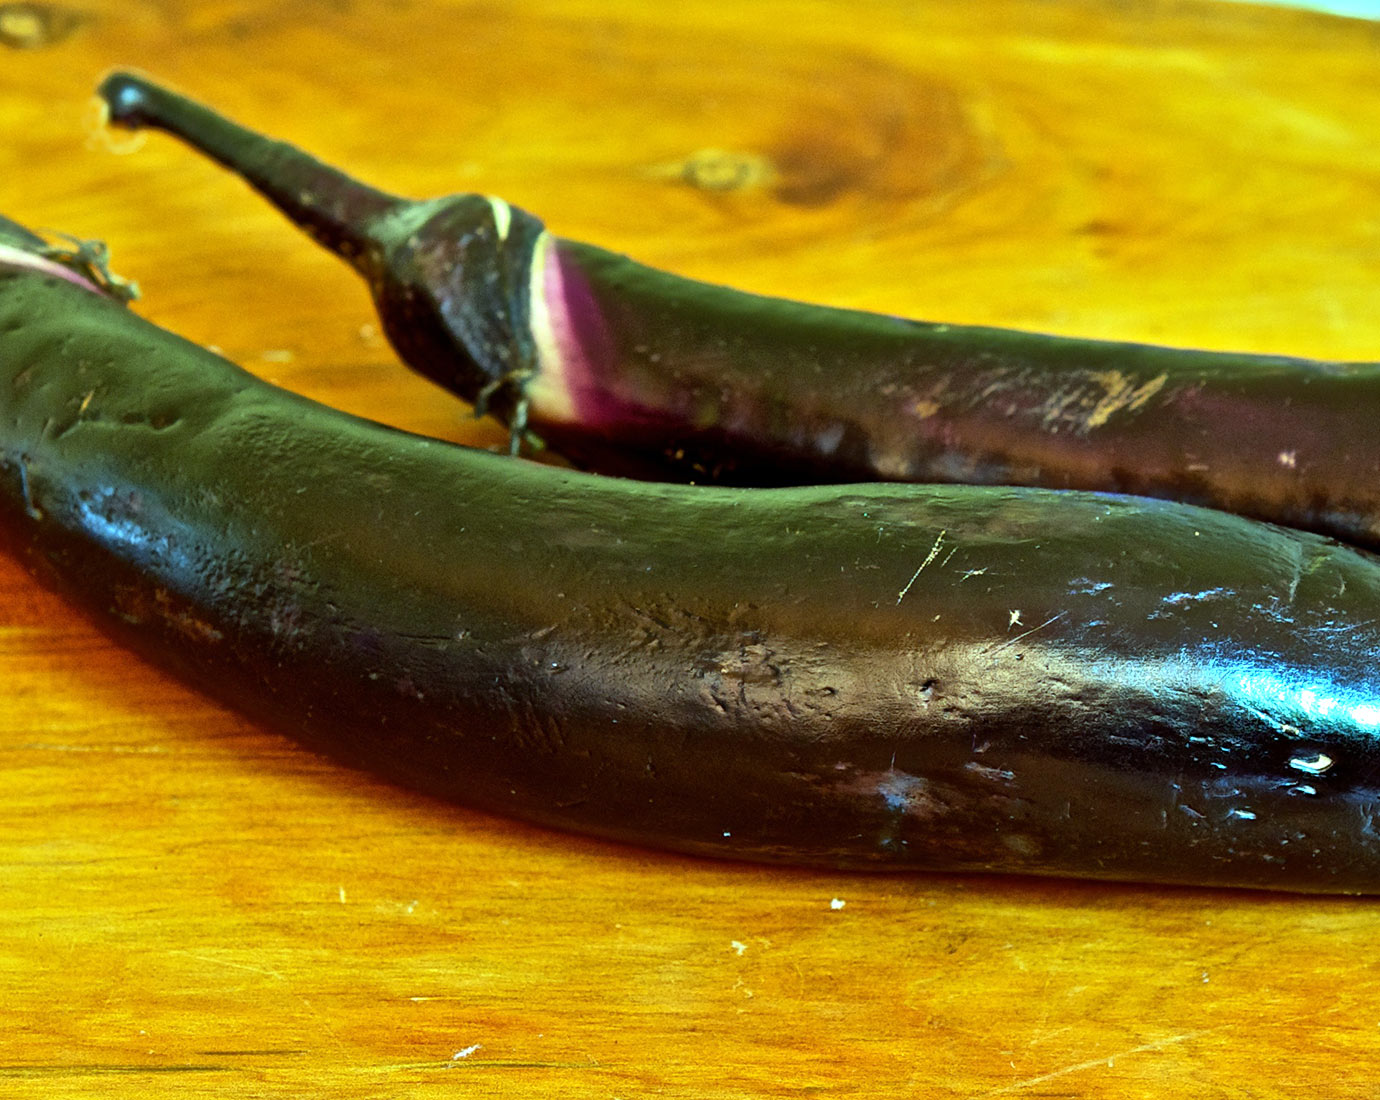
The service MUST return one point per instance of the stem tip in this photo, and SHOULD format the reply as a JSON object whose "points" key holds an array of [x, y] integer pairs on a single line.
{"points": [[126, 97]]}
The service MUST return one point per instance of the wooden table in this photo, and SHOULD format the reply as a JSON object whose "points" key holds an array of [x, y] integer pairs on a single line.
{"points": [[192, 906]]}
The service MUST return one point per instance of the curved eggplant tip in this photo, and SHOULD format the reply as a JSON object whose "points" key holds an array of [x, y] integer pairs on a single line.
{"points": [[126, 97], [336, 209]]}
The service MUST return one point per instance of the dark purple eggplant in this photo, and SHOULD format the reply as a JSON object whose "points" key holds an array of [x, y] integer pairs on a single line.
{"points": [[626, 369], [925, 677]]}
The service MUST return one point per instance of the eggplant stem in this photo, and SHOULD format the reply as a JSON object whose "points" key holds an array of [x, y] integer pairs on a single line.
{"points": [[334, 208], [90, 258], [517, 420]]}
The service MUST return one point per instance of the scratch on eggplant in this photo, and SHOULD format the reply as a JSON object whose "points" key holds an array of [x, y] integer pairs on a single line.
{"points": [[31, 509], [1008, 644], [1122, 395], [934, 553]]}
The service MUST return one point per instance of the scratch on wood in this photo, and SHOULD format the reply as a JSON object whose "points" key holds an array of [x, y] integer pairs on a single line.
{"points": [[276, 975], [103, 1069], [1093, 1063], [146, 750], [468, 1065], [934, 553], [233, 965]]}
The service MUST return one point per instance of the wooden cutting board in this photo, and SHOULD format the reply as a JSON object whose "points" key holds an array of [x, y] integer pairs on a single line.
{"points": [[192, 906]]}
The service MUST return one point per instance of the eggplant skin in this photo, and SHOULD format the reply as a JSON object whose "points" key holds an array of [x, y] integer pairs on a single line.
{"points": [[625, 369], [891, 677]]}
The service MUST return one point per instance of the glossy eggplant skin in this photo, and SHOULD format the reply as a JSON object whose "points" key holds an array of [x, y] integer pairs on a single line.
{"points": [[630, 370], [895, 677]]}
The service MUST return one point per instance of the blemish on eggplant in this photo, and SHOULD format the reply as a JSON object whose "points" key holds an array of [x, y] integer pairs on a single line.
{"points": [[1312, 763], [1085, 586], [906, 794], [994, 775], [1178, 600], [1022, 845], [183, 619]]}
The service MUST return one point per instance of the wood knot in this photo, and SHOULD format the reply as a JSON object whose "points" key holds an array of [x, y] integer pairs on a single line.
{"points": [[880, 132], [32, 26], [852, 125]]}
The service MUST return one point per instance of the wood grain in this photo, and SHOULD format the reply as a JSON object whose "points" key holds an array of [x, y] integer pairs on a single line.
{"points": [[191, 906]]}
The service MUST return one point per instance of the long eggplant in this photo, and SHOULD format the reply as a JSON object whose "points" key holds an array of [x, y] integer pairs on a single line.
{"points": [[627, 369], [871, 676]]}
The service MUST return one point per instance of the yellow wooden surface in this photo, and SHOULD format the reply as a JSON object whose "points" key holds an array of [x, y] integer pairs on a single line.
{"points": [[191, 906]]}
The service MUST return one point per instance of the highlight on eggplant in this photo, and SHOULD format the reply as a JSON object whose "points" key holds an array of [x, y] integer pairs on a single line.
{"points": [[869, 676], [626, 369]]}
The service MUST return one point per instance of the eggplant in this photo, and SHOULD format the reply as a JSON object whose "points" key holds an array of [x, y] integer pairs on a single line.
{"points": [[626, 369], [946, 678]]}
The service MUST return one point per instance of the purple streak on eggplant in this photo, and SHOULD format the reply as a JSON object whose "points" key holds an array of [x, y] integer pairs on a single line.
{"points": [[626, 369], [876, 676]]}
